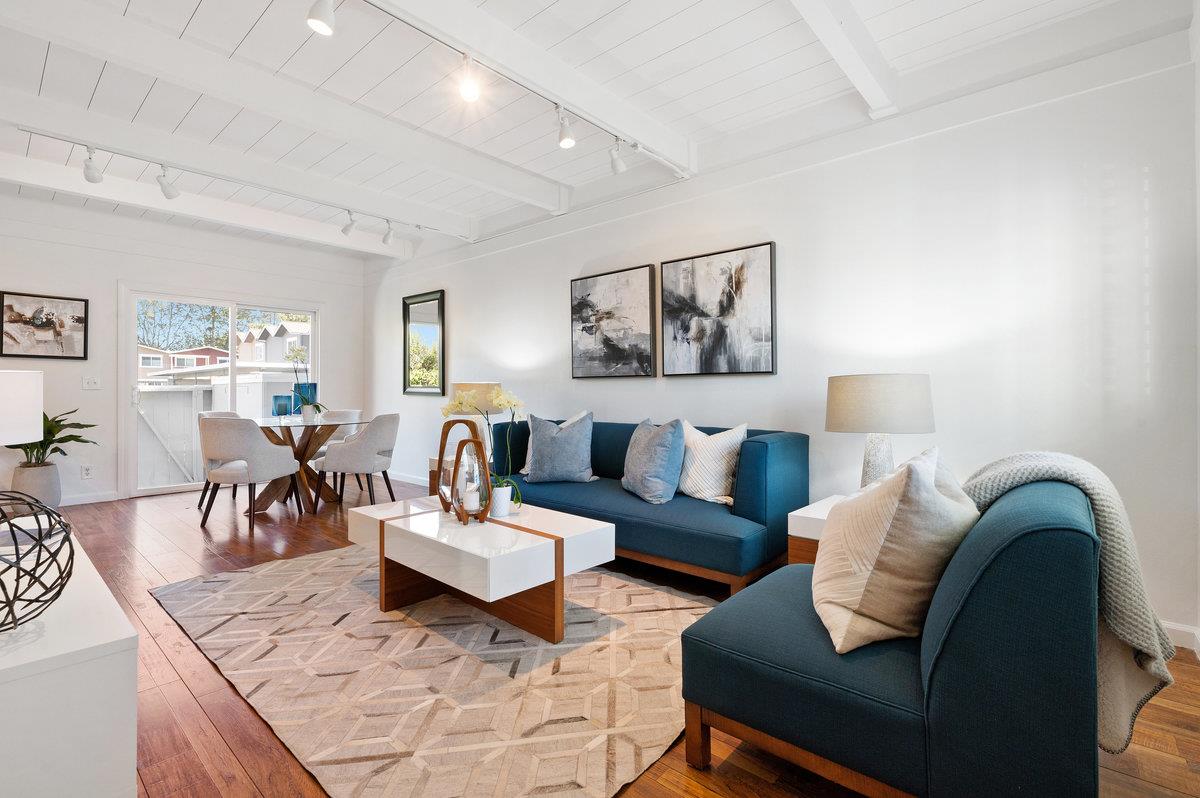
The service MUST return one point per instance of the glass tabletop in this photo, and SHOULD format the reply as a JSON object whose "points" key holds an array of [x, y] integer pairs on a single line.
{"points": [[298, 421]]}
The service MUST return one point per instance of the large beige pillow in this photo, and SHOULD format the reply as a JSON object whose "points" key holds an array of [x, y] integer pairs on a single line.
{"points": [[883, 551]]}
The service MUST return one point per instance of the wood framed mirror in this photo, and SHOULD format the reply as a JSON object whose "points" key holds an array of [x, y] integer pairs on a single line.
{"points": [[424, 343]]}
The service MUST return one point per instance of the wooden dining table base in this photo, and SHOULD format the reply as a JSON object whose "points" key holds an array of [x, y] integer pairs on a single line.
{"points": [[305, 449]]}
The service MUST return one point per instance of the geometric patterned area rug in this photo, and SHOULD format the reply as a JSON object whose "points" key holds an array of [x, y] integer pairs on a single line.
{"points": [[440, 698]]}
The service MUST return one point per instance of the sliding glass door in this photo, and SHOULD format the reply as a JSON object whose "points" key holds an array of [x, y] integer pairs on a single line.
{"points": [[193, 356]]}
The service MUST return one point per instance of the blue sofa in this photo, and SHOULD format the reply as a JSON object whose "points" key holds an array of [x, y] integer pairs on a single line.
{"points": [[997, 696], [734, 545]]}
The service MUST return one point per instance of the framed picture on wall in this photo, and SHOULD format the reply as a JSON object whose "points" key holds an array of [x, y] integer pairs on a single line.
{"points": [[40, 325], [612, 324], [718, 312], [425, 343]]}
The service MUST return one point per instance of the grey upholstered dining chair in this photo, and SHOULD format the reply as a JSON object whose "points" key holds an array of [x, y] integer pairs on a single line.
{"points": [[349, 418], [366, 452], [208, 461], [245, 456]]}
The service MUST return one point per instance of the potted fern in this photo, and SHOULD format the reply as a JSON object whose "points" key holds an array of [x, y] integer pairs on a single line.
{"points": [[36, 475]]}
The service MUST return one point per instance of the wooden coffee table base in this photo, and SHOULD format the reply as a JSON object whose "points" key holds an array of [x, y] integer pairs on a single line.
{"points": [[538, 610]]}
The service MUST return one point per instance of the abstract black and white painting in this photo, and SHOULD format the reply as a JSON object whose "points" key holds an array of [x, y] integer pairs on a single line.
{"points": [[718, 312], [612, 324], [35, 325]]}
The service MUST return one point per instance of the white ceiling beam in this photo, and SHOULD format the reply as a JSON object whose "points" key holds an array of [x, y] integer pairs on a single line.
{"points": [[23, 171], [69, 123], [463, 25], [842, 32], [102, 32]]}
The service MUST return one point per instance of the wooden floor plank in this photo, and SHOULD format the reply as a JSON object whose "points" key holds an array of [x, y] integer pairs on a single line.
{"points": [[198, 737]]}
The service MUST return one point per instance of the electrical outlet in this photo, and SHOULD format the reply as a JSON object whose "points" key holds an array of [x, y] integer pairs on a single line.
{"points": [[86, 472], [91, 383]]}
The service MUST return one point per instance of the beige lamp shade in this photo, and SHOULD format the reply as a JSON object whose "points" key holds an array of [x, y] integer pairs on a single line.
{"points": [[891, 403], [20, 406], [483, 395]]}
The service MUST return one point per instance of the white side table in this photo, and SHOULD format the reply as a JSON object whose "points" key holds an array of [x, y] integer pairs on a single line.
{"points": [[804, 529]]}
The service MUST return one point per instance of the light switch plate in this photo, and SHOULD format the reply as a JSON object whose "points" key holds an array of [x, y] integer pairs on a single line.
{"points": [[91, 383]]}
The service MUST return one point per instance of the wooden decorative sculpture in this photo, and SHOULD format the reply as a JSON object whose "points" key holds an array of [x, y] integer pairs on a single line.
{"points": [[449, 495]]}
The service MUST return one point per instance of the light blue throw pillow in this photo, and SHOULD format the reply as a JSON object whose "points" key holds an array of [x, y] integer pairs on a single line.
{"points": [[560, 454], [654, 461]]}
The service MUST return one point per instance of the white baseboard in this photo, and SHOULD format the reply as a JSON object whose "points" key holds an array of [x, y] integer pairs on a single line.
{"points": [[409, 478], [1183, 635], [90, 498]]}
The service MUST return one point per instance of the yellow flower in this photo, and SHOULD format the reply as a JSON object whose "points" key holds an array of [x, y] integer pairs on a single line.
{"points": [[504, 400]]}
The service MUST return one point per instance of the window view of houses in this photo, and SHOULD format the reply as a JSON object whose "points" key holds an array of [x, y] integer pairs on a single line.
{"points": [[183, 368]]}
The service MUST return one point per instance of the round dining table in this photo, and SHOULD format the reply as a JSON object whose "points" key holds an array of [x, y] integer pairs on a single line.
{"points": [[305, 439]]}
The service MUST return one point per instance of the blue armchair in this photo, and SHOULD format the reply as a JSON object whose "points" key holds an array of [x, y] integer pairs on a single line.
{"points": [[997, 696]]}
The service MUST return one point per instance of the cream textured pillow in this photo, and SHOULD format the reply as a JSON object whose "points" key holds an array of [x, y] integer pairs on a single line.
{"points": [[883, 551], [709, 462], [529, 447]]}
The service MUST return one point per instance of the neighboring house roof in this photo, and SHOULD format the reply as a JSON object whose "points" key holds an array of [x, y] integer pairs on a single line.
{"points": [[151, 349], [275, 331]]}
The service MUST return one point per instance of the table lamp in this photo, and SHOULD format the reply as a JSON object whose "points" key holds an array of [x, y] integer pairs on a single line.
{"points": [[879, 405], [21, 416]]}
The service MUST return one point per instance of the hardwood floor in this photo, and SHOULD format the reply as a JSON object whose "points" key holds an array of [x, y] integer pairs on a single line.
{"points": [[197, 737]]}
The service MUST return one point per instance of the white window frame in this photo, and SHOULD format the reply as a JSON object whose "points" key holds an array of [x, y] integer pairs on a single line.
{"points": [[156, 365], [181, 361]]}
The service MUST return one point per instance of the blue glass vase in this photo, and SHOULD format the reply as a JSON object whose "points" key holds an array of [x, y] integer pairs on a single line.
{"points": [[306, 391], [281, 404]]}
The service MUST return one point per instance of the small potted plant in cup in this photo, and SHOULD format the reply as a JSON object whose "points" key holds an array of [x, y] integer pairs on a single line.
{"points": [[304, 391], [37, 476]]}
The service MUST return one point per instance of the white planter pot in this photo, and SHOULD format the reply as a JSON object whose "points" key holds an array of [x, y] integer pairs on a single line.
{"points": [[308, 413], [40, 482], [501, 501]]}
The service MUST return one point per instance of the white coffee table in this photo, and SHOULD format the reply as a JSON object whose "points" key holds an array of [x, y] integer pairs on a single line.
{"points": [[513, 567]]}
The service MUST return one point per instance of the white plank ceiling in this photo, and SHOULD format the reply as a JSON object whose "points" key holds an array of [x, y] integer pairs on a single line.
{"points": [[706, 68]]}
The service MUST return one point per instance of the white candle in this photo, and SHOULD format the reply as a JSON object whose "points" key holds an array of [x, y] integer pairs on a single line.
{"points": [[471, 501]]}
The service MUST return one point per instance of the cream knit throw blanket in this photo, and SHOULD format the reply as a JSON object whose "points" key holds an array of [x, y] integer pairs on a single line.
{"points": [[1133, 647]]}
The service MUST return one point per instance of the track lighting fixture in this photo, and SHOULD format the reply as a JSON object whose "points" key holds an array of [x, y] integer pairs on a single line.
{"points": [[615, 160], [168, 188], [320, 17], [468, 85], [349, 226], [91, 172], [565, 139], [389, 236]]}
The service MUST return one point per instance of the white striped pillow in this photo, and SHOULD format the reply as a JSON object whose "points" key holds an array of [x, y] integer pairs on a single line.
{"points": [[709, 463]]}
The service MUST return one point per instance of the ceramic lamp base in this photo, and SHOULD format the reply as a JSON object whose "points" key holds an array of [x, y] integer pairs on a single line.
{"points": [[877, 459]]}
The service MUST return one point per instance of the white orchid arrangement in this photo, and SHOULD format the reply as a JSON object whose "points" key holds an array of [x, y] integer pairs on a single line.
{"points": [[467, 403]]}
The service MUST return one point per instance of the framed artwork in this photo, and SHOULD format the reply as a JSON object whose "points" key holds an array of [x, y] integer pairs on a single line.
{"points": [[612, 324], [39, 325], [718, 312], [425, 343]]}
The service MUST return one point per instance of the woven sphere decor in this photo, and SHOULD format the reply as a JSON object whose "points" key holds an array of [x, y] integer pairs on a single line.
{"points": [[36, 558]]}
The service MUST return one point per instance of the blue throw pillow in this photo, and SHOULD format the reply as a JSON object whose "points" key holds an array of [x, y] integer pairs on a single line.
{"points": [[654, 461], [560, 454]]}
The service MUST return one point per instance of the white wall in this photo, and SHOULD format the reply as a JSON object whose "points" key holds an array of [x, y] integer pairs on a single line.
{"points": [[1040, 265], [57, 249]]}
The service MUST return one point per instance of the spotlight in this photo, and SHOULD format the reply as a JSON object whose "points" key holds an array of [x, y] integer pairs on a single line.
{"points": [[91, 172], [468, 86], [565, 139], [615, 160], [349, 226], [389, 236], [168, 188], [320, 17]]}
